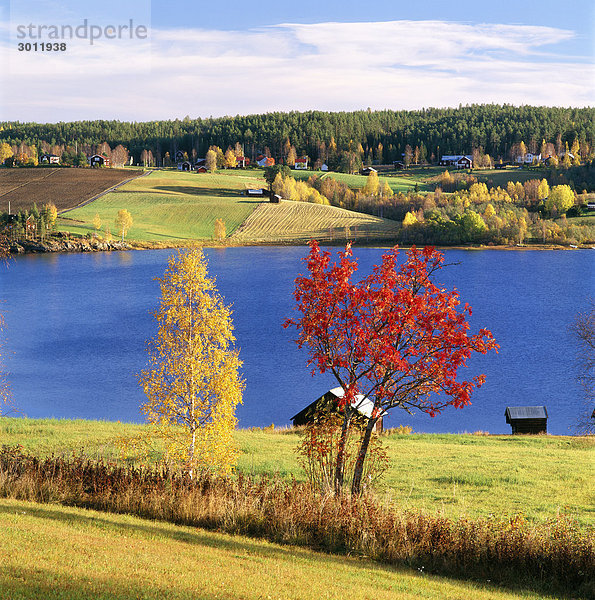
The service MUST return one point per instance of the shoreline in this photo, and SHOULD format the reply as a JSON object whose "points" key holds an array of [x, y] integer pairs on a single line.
{"points": [[70, 246]]}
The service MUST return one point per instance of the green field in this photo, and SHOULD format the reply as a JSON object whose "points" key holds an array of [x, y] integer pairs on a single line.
{"points": [[398, 181], [455, 475], [52, 552], [171, 205]]}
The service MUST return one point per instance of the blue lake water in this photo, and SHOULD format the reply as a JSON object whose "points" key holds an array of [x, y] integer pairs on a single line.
{"points": [[76, 327]]}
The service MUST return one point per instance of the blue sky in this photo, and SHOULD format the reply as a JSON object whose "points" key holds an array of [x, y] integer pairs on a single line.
{"points": [[208, 58]]}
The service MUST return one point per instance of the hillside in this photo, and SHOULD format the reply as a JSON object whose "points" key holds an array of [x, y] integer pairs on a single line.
{"points": [[56, 552], [299, 222], [171, 205], [66, 188]]}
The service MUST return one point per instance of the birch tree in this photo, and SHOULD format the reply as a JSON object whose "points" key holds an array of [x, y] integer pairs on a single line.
{"points": [[192, 382]]}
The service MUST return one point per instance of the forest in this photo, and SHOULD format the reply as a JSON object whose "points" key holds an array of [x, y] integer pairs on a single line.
{"points": [[380, 137]]}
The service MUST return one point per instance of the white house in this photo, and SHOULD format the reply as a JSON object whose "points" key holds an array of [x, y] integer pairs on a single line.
{"points": [[301, 163], [528, 158], [324, 167]]}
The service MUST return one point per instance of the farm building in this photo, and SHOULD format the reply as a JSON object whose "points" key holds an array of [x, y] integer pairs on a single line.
{"points": [[50, 159], [458, 161], [179, 156], [242, 162], [201, 169], [368, 170], [275, 198], [98, 160], [301, 163], [185, 166], [257, 192], [200, 162], [324, 167], [526, 419], [327, 403], [591, 205]]}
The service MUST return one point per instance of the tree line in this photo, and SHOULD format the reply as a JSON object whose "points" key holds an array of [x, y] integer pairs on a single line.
{"points": [[378, 137]]}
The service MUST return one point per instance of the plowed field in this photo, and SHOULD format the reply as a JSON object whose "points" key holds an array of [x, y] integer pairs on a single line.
{"points": [[66, 188]]}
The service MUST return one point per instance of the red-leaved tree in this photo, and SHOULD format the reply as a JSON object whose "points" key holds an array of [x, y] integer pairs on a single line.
{"points": [[394, 336]]}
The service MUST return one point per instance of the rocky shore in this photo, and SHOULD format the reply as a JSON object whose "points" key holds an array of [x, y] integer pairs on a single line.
{"points": [[66, 245]]}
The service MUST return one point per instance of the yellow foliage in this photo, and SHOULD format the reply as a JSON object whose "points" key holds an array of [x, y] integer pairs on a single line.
{"points": [[410, 219], [192, 382], [123, 222]]}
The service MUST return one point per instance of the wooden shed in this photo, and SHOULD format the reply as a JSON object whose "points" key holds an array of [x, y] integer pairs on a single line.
{"points": [[526, 419], [327, 403]]}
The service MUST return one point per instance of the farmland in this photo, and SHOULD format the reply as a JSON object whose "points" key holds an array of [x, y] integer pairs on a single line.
{"points": [[174, 206], [65, 188], [298, 221], [170, 205]]}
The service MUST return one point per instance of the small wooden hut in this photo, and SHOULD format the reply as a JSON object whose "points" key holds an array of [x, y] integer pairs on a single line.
{"points": [[526, 419]]}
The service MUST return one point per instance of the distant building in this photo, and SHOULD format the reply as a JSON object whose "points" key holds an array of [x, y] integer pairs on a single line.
{"points": [[98, 160], [368, 170], [528, 158], [185, 166], [301, 163], [458, 161], [526, 419], [324, 167], [327, 403], [50, 159], [257, 193]]}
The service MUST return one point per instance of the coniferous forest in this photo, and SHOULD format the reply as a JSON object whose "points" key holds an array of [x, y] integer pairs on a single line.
{"points": [[383, 136]]}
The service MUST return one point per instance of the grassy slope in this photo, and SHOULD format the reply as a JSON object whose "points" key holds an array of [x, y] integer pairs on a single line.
{"points": [[290, 221], [454, 474], [398, 182], [170, 205], [51, 552]]}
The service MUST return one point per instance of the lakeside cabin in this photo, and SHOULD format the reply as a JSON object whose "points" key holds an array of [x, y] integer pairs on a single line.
{"points": [[526, 419], [327, 403]]}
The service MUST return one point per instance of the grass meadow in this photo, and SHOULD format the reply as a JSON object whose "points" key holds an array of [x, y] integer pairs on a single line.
{"points": [[55, 552], [453, 475]]}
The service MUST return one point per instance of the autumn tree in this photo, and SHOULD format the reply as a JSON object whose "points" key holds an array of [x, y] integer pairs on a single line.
{"points": [[394, 337], [97, 222], [372, 186], [51, 215], [5, 152], [211, 161], [220, 231], [192, 382], [123, 222], [561, 198], [230, 159]]}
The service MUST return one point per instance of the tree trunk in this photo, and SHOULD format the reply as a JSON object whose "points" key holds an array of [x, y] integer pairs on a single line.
{"points": [[340, 466], [361, 457]]}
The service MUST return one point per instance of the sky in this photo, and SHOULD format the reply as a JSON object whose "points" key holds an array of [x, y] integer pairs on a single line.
{"points": [[155, 60]]}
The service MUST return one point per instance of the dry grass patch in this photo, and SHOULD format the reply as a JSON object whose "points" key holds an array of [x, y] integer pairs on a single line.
{"points": [[300, 221]]}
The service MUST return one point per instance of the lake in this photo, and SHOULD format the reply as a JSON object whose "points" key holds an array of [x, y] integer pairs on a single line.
{"points": [[76, 326]]}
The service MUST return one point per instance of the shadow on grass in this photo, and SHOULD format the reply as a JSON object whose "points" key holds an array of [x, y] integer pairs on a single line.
{"points": [[14, 580], [199, 191]]}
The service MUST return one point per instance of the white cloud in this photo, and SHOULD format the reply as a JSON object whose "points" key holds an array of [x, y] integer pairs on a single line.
{"points": [[326, 66]]}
